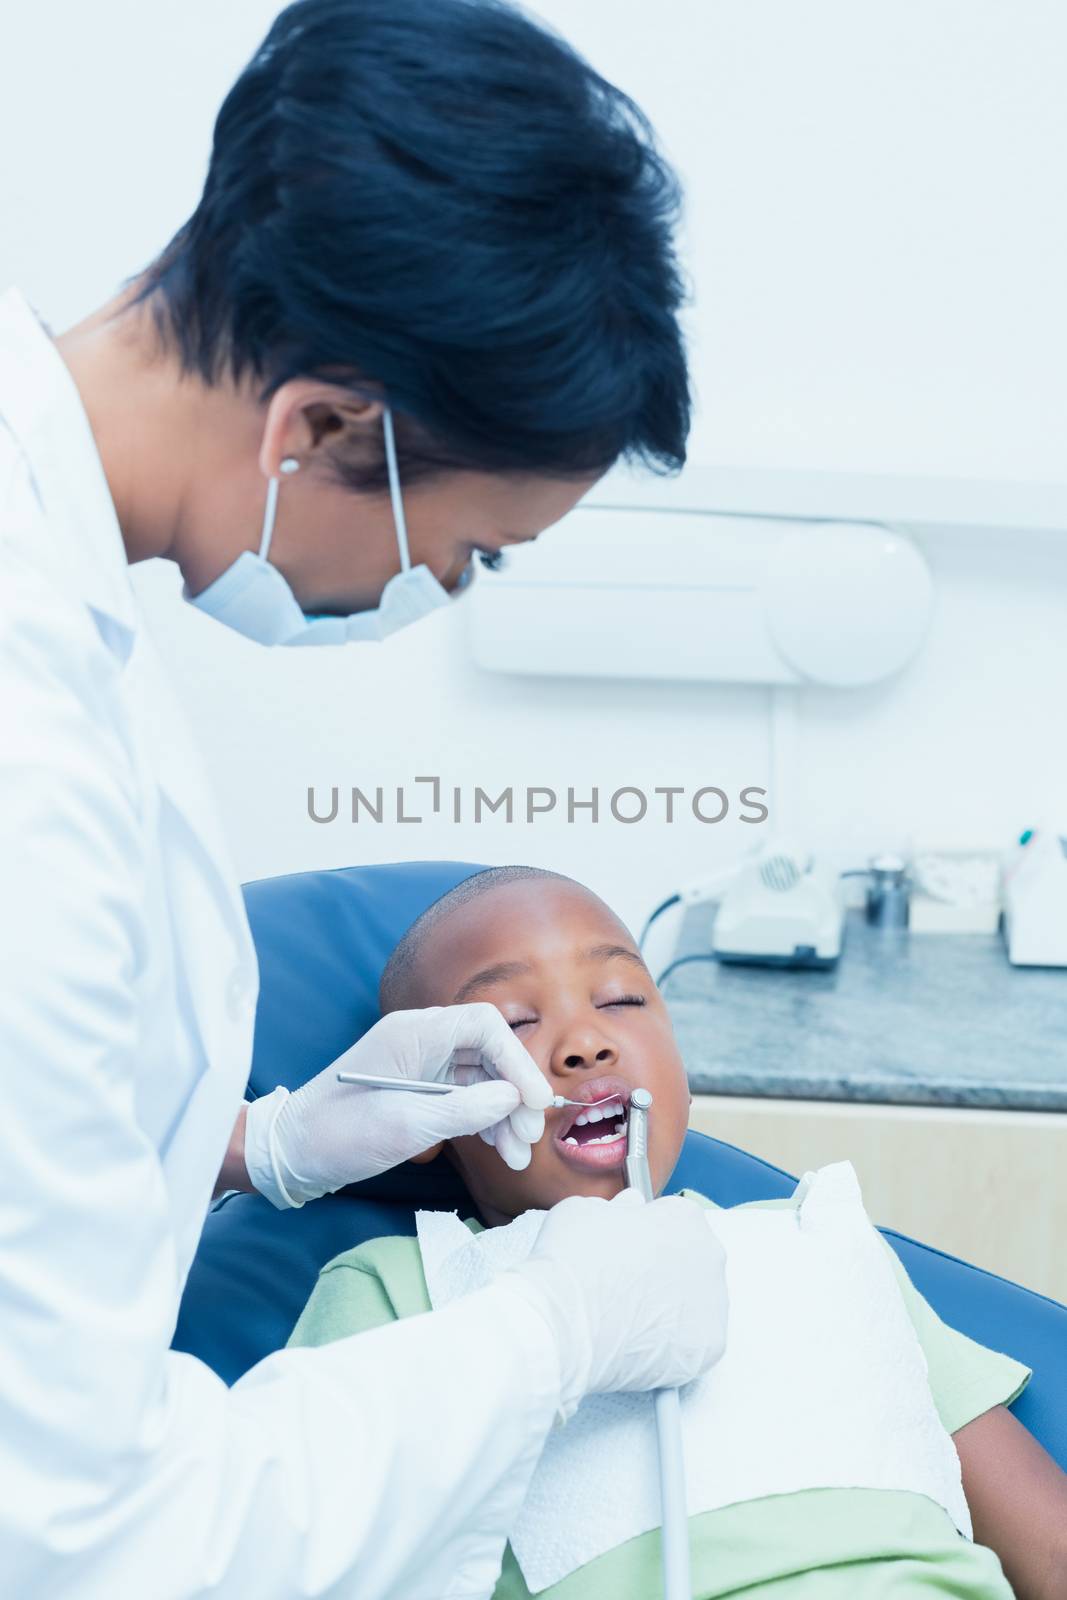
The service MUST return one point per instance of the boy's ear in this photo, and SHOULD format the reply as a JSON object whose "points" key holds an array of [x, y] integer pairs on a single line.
{"points": [[429, 1155]]}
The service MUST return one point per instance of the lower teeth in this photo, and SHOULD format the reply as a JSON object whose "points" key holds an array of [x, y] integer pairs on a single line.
{"points": [[604, 1138]]}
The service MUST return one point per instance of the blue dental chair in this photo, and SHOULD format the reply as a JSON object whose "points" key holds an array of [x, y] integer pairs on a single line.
{"points": [[322, 940]]}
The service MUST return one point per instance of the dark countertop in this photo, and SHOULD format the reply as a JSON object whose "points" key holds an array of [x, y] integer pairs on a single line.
{"points": [[905, 1019]]}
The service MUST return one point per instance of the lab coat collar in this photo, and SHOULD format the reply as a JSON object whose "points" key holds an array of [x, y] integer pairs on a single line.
{"points": [[42, 408]]}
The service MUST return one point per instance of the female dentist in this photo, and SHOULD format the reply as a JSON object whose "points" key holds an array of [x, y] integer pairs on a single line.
{"points": [[432, 246]]}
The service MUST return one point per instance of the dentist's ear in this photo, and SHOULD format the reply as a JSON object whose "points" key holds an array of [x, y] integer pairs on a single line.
{"points": [[305, 414], [429, 1155]]}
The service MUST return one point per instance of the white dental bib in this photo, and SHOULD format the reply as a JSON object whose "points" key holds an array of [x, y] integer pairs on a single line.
{"points": [[823, 1384]]}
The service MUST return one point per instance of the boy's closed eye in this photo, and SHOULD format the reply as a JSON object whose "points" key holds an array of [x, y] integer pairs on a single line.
{"points": [[603, 1005]]}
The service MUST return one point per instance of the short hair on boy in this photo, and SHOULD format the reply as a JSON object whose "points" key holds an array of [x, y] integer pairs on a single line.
{"points": [[398, 977]]}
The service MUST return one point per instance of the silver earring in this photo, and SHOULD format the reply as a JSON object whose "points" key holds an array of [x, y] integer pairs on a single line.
{"points": [[290, 464]]}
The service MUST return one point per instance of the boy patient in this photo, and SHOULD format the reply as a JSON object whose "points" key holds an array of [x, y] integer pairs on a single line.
{"points": [[568, 978]]}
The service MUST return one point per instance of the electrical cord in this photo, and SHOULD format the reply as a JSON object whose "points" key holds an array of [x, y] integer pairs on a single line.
{"points": [[665, 905], [681, 961]]}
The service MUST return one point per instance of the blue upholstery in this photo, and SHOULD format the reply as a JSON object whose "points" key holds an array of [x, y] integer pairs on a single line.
{"points": [[323, 939]]}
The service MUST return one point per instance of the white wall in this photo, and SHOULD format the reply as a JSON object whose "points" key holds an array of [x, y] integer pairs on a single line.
{"points": [[964, 748], [877, 247], [875, 228]]}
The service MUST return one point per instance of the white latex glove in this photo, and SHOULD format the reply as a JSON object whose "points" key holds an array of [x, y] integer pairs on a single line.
{"points": [[635, 1293], [327, 1134]]}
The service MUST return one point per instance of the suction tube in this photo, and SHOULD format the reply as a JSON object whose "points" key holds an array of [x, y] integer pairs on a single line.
{"points": [[677, 1582]]}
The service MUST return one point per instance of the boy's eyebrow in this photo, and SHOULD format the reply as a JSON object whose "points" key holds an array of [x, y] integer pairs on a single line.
{"points": [[489, 975], [502, 970], [611, 952]]}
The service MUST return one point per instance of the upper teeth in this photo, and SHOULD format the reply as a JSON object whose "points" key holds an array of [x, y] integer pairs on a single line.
{"points": [[598, 1113]]}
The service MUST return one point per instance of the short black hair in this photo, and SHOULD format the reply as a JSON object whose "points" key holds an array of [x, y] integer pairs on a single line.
{"points": [[441, 200], [397, 979]]}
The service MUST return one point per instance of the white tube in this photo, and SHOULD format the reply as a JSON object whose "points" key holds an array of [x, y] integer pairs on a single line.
{"points": [[677, 1583], [674, 1510]]}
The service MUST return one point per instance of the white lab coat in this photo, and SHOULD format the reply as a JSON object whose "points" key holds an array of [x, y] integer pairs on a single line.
{"points": [[389, 1465]]}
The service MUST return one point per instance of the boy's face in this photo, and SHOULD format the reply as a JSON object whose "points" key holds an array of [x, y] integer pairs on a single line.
{"points": [[568, 979]]}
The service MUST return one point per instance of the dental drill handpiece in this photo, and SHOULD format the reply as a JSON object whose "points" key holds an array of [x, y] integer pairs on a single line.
{"points": [[636, 1168], [677, 1583]]}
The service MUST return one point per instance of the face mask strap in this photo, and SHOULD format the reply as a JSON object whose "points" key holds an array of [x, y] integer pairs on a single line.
{"points": [[270, 511], [394, 490]]}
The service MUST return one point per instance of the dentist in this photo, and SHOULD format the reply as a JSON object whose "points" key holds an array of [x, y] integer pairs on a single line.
{"points": [[427, 298]]}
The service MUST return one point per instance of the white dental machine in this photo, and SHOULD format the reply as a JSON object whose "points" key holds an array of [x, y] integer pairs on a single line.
{"points": [[1033, 889], [777, 907]]}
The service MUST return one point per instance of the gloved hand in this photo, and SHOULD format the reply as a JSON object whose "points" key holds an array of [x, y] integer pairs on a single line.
{"points": [[307, 1143], [635, 1293]]}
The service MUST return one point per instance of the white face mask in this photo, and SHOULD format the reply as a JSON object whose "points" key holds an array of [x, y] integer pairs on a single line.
{"points": [[252, 597]]}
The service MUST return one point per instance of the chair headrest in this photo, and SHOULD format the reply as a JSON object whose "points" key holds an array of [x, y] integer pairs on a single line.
{"points": [[323, 939]]}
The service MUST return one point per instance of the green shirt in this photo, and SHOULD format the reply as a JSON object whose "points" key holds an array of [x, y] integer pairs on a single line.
{"points": [[816, 1544]]}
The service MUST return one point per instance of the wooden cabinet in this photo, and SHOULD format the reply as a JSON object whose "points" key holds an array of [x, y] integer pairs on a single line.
{"points": [[990, 1186]]}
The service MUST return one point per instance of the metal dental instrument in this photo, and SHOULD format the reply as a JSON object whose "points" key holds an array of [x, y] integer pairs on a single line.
{"points": [[412, 1085], [677, 1583], [421, 1086]]}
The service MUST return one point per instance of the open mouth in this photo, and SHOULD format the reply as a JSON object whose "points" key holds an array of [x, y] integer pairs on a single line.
{"points": [[594, 1136]]}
